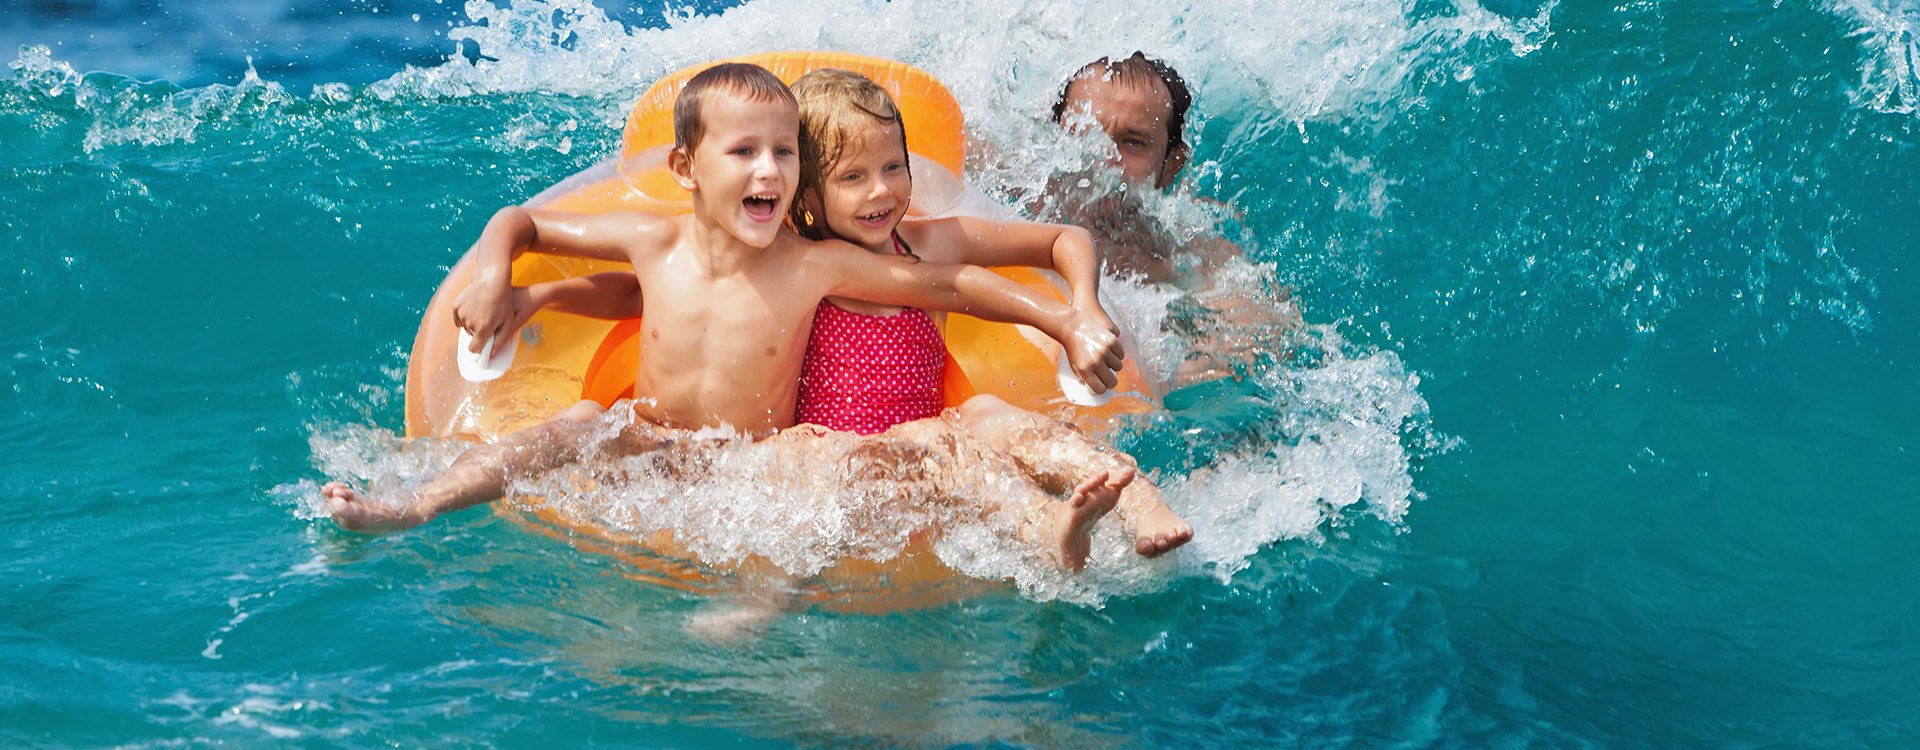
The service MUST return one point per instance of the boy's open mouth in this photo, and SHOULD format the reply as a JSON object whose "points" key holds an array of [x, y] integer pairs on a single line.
{"points": [[761, 206]]}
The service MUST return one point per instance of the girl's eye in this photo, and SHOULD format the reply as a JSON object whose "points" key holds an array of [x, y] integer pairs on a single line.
{"points": [[850, 177], [894, 166], [784, 151], [743, 151]]}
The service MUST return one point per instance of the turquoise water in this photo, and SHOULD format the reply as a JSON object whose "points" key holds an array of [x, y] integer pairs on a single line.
{"points": [[1603, 435]]}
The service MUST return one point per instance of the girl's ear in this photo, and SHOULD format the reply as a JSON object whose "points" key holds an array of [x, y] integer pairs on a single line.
{"points": [[812, 215], [1170, 167], [680, 164]]}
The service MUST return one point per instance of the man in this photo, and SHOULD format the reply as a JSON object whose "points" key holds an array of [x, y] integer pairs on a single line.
{"points": [[1141, 103]]}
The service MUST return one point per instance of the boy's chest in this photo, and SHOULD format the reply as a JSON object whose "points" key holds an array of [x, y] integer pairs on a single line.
{"points": [[724, 323]]}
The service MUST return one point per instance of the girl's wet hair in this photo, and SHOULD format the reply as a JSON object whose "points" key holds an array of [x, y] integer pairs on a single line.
{"points": [[750, 82], [835, 107]]}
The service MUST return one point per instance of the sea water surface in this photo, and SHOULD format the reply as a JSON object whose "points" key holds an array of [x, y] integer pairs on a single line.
{"points": [[1602, 433]]}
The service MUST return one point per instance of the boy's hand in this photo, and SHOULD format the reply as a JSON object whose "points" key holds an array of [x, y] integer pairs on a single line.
{"points": [[490, 310], [1094, 352]]}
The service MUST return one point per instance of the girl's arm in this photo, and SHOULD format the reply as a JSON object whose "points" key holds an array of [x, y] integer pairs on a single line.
{"points": [[612, 295], [1092, 347], [1068, 250], [486, 307]]}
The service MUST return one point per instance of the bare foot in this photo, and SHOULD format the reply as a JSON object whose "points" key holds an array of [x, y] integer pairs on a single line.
{"points": [[1160, 530], [732, 625], [357, 512], [1073, 519], [735, 623]]}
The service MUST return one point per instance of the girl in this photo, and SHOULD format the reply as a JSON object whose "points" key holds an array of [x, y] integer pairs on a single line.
{"points": [[871, 367]]}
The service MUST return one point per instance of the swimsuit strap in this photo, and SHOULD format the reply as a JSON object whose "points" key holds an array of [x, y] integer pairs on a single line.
{"points": [[900, 246]]}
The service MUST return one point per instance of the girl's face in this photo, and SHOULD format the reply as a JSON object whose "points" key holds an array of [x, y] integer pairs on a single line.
{"points": [[865, 193]]}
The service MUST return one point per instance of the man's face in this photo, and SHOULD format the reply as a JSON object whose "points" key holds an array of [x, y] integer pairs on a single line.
{"points": [[1134, 111], [743, 171]]}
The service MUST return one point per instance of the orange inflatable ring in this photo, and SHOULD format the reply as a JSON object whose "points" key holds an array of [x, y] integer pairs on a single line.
{"points": [[564, 358]]}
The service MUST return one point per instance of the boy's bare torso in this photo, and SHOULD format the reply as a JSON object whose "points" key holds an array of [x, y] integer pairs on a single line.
{"points": [[724, 333]]}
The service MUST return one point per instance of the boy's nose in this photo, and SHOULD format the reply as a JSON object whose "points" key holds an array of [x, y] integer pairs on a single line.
{"points": [[766, 165]]}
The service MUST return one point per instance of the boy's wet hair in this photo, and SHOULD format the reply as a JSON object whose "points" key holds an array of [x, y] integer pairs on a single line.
{"points": [[750, 82], [1136, 69], [835, 105]]}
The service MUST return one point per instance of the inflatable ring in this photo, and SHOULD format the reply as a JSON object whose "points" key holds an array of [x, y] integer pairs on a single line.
{"points": [[562, 358]]}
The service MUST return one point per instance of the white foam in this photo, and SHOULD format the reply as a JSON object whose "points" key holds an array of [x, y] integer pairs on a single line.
{"points": [[1890, 69]]}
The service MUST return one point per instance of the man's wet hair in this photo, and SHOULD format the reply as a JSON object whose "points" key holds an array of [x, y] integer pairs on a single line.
{"points": [[750, 82], [1134, 69]]}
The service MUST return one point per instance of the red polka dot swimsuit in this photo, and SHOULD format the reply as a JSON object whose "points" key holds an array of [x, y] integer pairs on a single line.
{"points": [[866, 373]]}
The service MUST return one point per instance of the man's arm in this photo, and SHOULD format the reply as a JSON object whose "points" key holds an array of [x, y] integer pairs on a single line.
{"points": [[1092, 348], [1239, 325]]}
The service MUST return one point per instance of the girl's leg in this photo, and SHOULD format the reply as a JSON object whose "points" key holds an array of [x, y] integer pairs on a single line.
{"points": [[932, 458], [1058, 453]]}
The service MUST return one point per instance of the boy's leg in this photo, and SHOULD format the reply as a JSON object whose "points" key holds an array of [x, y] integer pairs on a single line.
{"points": [[481, 474], [931, 458], [1059, 453]]}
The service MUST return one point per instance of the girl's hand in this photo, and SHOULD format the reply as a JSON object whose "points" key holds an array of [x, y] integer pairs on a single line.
{"points": [[1094, 351], [1090, 305], [487, 310]]}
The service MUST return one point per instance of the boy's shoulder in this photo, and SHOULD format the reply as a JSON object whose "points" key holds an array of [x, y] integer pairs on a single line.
{"points": [[644, 231]]}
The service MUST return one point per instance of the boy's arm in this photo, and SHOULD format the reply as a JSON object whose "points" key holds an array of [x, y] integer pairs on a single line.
{"points": [[1068, 250], [1092, 347], [485, 308]]}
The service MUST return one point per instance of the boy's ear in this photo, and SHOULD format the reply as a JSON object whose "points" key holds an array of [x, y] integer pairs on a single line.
{"points": [[1170, 167], [680, 164]]}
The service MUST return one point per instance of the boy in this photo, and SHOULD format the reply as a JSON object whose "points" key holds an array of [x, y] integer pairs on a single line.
{"points": [[729, 300]]}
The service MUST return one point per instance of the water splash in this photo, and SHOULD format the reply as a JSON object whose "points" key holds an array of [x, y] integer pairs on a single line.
{"points": [[1890, 65]]}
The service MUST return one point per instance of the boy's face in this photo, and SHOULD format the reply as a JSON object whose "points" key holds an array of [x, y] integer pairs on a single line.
{"points": [[1134, 113], [743, 171]]}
